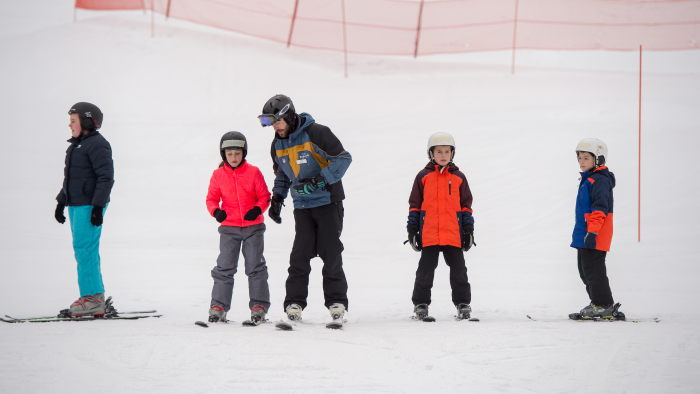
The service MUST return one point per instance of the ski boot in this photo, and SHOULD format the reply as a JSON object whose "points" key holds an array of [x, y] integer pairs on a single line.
{"points": [[421, 313], [92, 305], [217, 314], [595, 312], [257, 314], [293, 312], [464, 311], [337, 312]]}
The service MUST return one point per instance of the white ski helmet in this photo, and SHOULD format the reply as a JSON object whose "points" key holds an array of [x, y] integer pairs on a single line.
{"points": [[439, 139], [595, 147]]}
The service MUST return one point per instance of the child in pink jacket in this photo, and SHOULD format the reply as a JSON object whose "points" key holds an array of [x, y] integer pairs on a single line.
{"points": [[241, 190]]}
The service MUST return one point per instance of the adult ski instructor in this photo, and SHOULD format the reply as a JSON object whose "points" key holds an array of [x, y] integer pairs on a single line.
{"points": [[310, 159]]}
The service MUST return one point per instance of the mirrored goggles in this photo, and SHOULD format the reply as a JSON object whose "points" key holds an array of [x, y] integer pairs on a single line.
{"points": [[270, 119]]}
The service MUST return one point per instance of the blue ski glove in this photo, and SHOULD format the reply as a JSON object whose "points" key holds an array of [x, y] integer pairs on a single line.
{"points": [[310, 185], [589, 240]]}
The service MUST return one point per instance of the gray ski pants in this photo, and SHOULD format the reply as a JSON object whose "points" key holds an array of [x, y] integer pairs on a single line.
{"points": [[252, 241]]}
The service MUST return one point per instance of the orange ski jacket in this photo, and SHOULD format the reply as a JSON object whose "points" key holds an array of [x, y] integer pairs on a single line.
{"points": [[440, 204], [238, 191]]}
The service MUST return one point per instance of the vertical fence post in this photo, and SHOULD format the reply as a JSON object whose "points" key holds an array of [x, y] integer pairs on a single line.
{"points": [[420, 17], [167, 10], [153, 20], [515, 30], [345, 39], [291, 28], [639, 176]]}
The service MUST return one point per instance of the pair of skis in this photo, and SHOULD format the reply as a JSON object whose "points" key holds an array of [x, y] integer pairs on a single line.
{"points": [[247, 323], [430, 319], [110, 314], [616, 315], [336, 324]]}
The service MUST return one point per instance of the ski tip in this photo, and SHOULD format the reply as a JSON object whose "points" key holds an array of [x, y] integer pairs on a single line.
{"points": [[474, 319], [201, 324], [334, 326], [282, 326]]}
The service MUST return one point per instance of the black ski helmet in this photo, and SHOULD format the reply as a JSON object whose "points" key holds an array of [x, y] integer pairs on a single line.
{"points": [[275, 105], [90, 116], [233, 140]]}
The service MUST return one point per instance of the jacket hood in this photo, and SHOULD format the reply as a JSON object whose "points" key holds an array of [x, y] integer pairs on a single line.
{"points": [[304, 120], [602, 171]]}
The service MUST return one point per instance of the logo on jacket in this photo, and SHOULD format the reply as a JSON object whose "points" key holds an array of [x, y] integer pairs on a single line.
{"points": [[284, 160], [303, 155]]}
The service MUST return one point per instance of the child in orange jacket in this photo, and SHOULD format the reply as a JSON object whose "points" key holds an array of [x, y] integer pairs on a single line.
{"points": [[241, 190], [440, 220]]}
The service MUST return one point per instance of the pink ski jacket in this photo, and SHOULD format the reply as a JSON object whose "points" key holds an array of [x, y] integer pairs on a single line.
{"points": [[238, 191]]}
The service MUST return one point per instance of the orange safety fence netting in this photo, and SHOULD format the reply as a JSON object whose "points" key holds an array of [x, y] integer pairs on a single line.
{"points": [[402, 27]]}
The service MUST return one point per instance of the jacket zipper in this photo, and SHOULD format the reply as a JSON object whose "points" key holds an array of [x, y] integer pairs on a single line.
{"points": [[449, 183], [238, 196]]}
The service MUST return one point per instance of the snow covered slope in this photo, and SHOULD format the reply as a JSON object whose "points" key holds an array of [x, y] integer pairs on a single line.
{"points": [[167, 101]]}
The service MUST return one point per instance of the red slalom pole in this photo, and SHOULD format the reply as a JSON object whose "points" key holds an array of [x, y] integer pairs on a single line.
{"points": [[639, 177], [345, 39], [515, 30]]}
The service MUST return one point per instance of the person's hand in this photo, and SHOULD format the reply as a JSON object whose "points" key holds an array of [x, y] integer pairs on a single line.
{"points": [[220, 215], [276, 208], [467, 237], [252, 214], [310, 185], [414, 238], [59, 213], [96, 216], [590, 240]]}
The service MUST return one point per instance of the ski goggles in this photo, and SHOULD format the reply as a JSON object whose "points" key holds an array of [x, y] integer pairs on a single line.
{"points": [[270, 119]]}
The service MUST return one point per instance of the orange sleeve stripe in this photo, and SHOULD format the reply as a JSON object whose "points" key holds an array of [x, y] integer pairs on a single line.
{"points": [[414, 209], [595, 221], [467, 210]]}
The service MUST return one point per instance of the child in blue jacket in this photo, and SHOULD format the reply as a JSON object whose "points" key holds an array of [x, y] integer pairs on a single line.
{"points": [[594, 229]]}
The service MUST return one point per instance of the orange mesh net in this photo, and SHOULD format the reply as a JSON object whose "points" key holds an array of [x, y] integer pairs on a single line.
{"points": [[402, 27]]}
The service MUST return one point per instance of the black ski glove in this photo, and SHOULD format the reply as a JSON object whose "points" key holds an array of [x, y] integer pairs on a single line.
{"points": [[467, 237], [252, 214], [308, 186], [220, 215], [276, 208], [414, 238], [590, 240], [59, 213], [96, 217]]}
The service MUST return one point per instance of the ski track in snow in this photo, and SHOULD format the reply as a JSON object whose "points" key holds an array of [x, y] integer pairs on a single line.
{"points": [[167, 100]]}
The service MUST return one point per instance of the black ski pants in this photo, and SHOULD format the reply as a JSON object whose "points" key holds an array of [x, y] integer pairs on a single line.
{"points": [[454, 257], [591, 268], [317, 234]]}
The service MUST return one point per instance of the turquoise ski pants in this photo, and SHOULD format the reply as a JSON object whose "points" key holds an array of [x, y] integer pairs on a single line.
{"points": [[86, 244]]}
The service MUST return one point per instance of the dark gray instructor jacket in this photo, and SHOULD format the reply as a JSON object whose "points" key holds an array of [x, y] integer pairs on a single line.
{"points": [[89, 174]]}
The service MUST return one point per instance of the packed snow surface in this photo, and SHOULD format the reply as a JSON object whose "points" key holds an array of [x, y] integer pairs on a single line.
{"points": [[168, 99]]}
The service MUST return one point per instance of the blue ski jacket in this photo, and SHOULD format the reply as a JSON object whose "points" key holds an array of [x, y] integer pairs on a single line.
{"points": [[594, 208], [310, 149]]}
